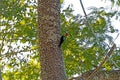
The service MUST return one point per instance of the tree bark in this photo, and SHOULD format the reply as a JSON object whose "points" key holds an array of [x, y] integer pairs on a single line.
{"points": [[51, 58]]}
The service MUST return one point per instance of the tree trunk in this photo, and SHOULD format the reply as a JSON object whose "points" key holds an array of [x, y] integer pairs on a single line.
{"points": [[51, 58]]}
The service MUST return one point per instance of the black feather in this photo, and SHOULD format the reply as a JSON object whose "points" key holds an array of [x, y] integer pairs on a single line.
{"points": [[61, 41]]}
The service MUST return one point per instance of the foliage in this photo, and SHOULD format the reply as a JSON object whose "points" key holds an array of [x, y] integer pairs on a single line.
{"points": [[21, 70], [89, 39], [115, 2], [84, 48], [18, 39]]}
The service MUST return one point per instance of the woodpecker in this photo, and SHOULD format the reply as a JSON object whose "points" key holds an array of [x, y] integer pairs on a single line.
{"points": [[62, 39]]}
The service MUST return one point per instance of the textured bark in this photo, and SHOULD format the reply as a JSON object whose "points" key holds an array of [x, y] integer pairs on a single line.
{"points": [[51, 58]]}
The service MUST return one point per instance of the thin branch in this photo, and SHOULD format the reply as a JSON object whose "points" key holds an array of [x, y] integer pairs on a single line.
{"points": [[87, 23], [83, 8], [101, 64], [2, 44]]}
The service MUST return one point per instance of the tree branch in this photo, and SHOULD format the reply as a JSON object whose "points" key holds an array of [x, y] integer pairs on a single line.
{"points": [[104, 60], [83, 8]]}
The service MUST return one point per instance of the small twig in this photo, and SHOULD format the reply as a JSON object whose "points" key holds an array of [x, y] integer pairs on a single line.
{"points": [[104, 60], [83, 9], [87, 23]]}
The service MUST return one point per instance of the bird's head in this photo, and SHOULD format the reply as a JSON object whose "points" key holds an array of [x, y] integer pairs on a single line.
{"points": [[66, 34]]}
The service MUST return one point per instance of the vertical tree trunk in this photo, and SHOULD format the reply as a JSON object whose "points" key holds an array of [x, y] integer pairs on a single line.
{"points": [[51, 58]]}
